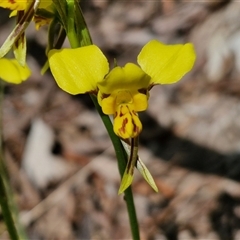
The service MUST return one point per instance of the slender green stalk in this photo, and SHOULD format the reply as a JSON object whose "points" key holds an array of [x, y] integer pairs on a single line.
{"points": [[5, 195], [119, 150], [7, 215]]}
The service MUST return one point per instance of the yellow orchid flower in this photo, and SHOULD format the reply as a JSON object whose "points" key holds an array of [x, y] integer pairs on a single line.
{"points": [[124, 91], [11, 71]]}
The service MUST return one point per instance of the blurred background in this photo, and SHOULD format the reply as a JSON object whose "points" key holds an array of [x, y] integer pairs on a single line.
{"points": [[61, 163]]}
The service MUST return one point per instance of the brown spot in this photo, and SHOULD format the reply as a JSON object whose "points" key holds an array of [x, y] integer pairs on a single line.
{"points": [[11, 1], [120, 115], [135, 127], [93, 92], [104, 95], [143, 91], [124, 123]]}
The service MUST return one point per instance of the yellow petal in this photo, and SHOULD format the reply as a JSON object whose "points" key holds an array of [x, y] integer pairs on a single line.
{"points": [[129, 77], [18, 5], [11, 71], [166, 64], [140, 101], [108, 103], [78, 70]]}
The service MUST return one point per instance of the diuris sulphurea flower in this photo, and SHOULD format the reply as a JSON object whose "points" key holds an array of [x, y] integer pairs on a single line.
{"points": [[122, 91]]}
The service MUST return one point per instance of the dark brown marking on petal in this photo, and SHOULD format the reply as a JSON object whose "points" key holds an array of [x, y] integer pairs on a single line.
{"points": [[120, 112], [11, 1], [94, 92], [143, 91], [124, 123], [135, 128], [104, 95]]}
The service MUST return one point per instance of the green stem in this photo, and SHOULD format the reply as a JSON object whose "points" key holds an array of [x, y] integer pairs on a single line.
{"points": [[119, 150], [5, 195], [7, 215]]}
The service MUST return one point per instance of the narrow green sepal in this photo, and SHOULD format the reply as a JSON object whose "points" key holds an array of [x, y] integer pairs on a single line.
{"points": [[45, 68], [146, 174], [126, 181]]}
